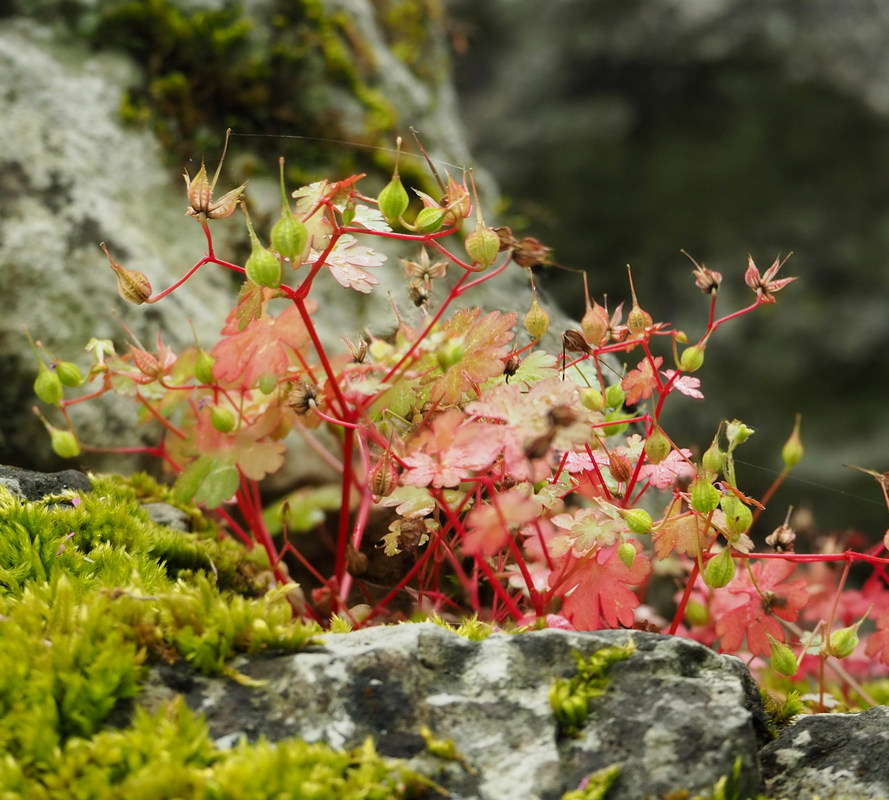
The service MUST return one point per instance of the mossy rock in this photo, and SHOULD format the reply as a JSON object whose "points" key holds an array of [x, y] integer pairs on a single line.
{"points": [[89, 596]]}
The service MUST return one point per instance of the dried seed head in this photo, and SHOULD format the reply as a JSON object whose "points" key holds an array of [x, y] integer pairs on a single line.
{"points": [[418, 294], [302, 398], [511, 365], [529, 252], [359, 351], [574, 342]]}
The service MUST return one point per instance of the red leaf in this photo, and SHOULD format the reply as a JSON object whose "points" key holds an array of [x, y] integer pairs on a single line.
{"points": [[755, 617], [595, 588], [642, 381], [265, 345], [450, 450], [879, 640]]}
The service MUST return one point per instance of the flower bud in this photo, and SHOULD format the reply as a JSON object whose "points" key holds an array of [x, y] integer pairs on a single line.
{"points": [[203, 367], [290, 237], [48, 386], [720, 569], [704, 496], [792, 451], [483, 244], [783, 660], [536, 320], [738, 516], [69, 373], [692, 358], [394, 200], [222, 419], [64, 443], [627, 553], [657, 445], [429, 220], [737, 432], [638, 520]]}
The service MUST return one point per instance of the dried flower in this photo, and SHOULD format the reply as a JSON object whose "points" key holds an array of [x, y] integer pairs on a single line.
{"points": [[765, 286]]}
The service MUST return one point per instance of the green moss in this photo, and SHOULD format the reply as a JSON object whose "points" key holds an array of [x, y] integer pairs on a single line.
{"points": [[275, 75], [88, 597], [570, 697]]}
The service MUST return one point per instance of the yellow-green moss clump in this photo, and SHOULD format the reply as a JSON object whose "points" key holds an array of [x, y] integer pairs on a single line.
{"points": [[88, 597]]}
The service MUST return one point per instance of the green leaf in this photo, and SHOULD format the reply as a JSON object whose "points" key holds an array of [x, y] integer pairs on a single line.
{"points": [[207, 480]]}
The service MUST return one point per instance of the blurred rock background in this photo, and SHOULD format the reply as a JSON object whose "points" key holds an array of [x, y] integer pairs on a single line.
{"points": [[619, 131]]}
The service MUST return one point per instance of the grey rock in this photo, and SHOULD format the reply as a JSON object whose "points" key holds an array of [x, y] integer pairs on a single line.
{"points": [[167, 515], [31, 485], [675, 714], [830, 755]]}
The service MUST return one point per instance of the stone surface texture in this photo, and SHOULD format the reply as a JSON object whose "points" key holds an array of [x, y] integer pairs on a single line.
{"points": [[674, 715]]}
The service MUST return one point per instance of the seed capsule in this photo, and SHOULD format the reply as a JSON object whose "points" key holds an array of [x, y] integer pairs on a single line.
{"points": [[483, 244], [222, 419], [69, 373], [536, 320], [48, 386], [720, 570], [64, 443], [657, 445], [290, 237], [704, 496], [429, 220], [394, 200]]}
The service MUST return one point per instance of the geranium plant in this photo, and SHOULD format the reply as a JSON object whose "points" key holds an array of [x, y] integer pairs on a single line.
{"points": [[508, 478]]}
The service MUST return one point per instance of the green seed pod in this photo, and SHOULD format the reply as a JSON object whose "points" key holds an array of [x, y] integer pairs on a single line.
{"points": [[615, 396], [69, 373], [720, 569], [627, 553], [738, 516], [223, 419], [264, 268], [393, 200], [290, 237], [792, 451], [783, 660], [697, 613], [592, 399], [64, 443], [618, 427], [692, 358], [203, 367], [429, 220], [268, 382], [638, 520], [536, 320], [713, 459], [483, 244], [657, 445], [48, 386], [704, 496], [843, 641]]}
